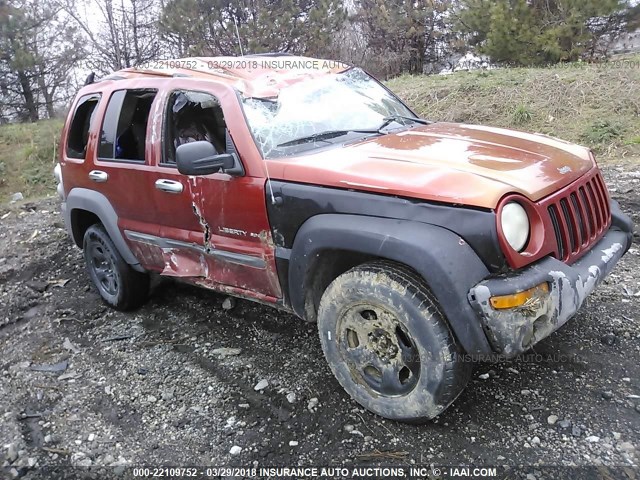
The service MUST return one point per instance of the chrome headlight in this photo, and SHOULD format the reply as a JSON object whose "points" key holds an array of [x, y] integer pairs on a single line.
{"points": [[515, 225]]}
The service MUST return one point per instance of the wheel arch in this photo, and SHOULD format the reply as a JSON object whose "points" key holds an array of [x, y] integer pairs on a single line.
{"points": [[80, 221], [442, 258], [86, 207]]}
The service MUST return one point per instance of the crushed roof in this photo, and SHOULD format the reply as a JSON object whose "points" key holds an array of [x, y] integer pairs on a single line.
{"points": [[252, 75]]}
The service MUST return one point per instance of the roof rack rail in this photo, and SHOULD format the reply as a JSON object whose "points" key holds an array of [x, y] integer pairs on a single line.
{"points": [[110, 77]]}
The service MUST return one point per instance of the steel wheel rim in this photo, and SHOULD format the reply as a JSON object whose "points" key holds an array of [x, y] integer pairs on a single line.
{"points": [[378, 350], [103, 267]]}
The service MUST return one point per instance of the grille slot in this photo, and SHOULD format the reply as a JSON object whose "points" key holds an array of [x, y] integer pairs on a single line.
{"points": [[588, 210], [595, 207], [556, 228], [581, 222], [570, 224], [602, 189]]}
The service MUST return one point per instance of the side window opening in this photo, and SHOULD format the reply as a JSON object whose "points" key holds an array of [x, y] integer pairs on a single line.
{"points": [[124, 130], [78, 135], [192, 117]]}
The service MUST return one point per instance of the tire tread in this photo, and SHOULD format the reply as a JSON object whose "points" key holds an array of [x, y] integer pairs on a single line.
{"points": [[456, 373], [135, 285]]}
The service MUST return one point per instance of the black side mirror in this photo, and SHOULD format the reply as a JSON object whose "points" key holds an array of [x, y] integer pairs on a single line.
{"points": [[201, 158]]}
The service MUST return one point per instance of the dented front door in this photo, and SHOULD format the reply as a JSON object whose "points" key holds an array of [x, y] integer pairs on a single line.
{"points": [[238, 243]]}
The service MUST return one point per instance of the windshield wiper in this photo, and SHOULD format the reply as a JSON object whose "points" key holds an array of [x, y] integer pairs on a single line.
{"points": [[394, 118], [325, 136], [338, 133]]}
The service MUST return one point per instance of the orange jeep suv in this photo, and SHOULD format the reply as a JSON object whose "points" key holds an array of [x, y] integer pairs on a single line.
{"points": [[306, 184]]}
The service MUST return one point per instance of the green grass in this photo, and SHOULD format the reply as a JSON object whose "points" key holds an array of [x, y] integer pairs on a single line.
{"points": [[28, 153], [594, 105], [602, 133], [522, 115]]}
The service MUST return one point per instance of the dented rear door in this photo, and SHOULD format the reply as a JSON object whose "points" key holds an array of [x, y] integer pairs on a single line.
{"points": [[177, 249]]}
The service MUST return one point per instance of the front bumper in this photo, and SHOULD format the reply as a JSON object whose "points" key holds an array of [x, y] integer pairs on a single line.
{"points": [[513, 331]]}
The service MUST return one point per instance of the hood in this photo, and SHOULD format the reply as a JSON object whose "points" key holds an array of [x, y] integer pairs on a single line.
{"points": [[445, 162]]}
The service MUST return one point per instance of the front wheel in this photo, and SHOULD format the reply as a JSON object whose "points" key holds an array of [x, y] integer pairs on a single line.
{"points": [[388, 344], [119, 285]]}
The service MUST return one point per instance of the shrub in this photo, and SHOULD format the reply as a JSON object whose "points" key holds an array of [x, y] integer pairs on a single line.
{"points": [[522, 115], [602, 133]]}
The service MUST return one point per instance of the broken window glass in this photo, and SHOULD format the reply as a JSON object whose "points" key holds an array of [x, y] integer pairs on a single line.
{"points": [[124, 128], [190, 117], [348, 101], [81, 125]]}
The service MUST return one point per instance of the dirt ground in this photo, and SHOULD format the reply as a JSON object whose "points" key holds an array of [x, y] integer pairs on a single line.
{"points": [[152, 387]]}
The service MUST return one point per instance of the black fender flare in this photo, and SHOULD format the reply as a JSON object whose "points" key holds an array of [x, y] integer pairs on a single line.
{"points": [[446, 262], [99, 205]]}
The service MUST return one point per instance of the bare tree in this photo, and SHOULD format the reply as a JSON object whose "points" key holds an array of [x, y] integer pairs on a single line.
{"points": [[212, 27], [120, 33]]}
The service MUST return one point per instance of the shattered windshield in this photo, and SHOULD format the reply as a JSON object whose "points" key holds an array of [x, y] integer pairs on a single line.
{"points": [[320, 111]]}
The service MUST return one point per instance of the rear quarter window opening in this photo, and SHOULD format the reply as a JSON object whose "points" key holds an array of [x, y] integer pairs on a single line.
{"points": [[78, 136], [124, 128]]}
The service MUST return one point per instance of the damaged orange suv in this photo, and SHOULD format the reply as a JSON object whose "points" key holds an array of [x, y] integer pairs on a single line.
{"points": [[306, 184]]}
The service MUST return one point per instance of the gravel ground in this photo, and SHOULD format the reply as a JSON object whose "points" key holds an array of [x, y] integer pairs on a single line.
{"points": [[184, 381]]}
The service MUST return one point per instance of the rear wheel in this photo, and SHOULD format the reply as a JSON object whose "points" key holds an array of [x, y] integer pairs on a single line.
{"points": [[388, 344], [119, 285]]}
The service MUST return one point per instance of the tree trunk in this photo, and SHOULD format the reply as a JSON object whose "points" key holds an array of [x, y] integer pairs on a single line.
{"points": [[48, 97], [27, 93]]}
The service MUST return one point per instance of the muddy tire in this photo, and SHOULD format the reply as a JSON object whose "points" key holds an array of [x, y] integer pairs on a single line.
{"points": [[119, 285], [388, 343]]}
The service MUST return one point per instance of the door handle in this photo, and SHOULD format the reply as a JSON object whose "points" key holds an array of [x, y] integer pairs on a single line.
{"points": [[98, 176], [169, 186]]}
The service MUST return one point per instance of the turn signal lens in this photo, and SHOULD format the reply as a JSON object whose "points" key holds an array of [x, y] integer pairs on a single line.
{"points": [[518, 299]]}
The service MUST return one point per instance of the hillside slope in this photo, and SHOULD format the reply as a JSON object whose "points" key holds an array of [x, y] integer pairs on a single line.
{"points": [[594, 105], [28, 152]]}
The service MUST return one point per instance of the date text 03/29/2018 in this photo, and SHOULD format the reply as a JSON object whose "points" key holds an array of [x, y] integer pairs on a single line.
{"points": [[241, 64], [319, 472]]}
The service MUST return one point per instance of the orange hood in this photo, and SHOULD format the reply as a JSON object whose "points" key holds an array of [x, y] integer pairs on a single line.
{"points": [[445, 162]]}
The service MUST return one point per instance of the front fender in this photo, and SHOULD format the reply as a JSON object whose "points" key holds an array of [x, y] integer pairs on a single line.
{"points": [[447, 263]]}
